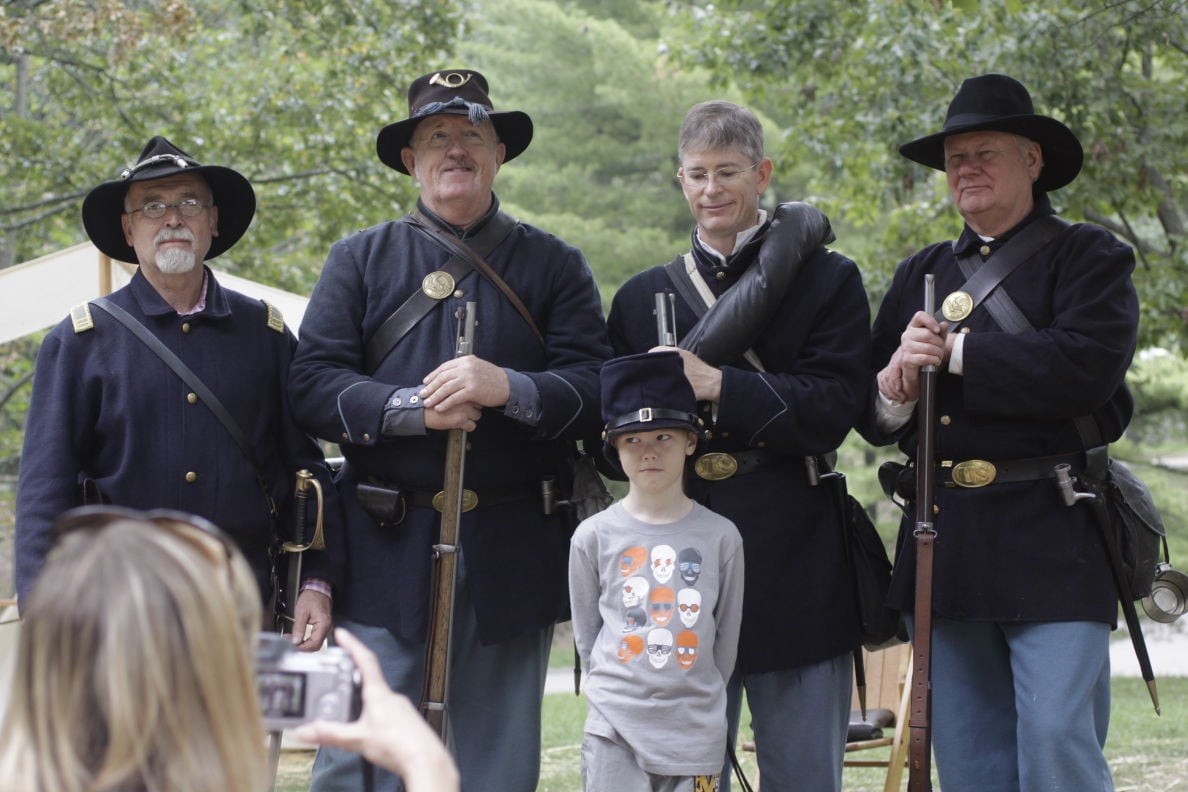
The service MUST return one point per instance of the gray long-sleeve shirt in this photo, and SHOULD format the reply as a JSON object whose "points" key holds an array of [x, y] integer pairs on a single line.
{"points": [[656, 614]]}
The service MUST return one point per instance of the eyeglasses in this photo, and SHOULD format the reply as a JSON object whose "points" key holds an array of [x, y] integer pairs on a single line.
{"points": [[202, 534], [699, 178], [467, 138], [189, 207]]}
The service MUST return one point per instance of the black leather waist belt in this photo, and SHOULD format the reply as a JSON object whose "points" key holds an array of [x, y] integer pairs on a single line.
{"points": [[430, 499], [719, 465], [974, 473], [386, 503]]}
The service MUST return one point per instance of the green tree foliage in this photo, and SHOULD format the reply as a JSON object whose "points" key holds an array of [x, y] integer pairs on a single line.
{"points": [[1159, 382], [606, 108], [289, 93], [851, 81]]}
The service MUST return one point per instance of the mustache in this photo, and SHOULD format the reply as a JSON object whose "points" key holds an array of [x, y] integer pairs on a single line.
{"points": [[168, 234]]}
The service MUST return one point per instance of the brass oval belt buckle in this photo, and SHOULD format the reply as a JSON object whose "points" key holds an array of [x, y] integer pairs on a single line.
{"points": [[469, 500], [974, 473], [715, 466]]}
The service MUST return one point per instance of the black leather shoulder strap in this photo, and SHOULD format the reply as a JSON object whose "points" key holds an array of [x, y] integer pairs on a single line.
{"points": [[404, 318], [1007, 315], [679, 275], [193, 381], [987, 277], [475, 250], [419, 303]]}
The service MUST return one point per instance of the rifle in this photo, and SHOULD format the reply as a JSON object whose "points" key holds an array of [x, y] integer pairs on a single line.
{"points": [[666, 334], [445, 557], [920, 745]]}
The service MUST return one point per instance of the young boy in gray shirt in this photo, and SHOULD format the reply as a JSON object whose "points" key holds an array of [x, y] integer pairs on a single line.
{"points": [[656, 588]]}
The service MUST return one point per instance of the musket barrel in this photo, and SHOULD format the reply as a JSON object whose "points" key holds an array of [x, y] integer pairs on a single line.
{"points": [[665, 319]]}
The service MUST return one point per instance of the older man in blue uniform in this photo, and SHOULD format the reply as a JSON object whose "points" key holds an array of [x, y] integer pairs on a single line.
{"points": [[1022, 594], [529, 389], [786, 389], [110, 421]]}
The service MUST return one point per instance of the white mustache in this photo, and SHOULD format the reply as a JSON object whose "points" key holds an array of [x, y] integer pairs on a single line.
{"points": [[168, 234]]}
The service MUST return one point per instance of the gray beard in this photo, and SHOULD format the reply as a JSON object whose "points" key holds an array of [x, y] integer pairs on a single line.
{"points": [[175, 262]]}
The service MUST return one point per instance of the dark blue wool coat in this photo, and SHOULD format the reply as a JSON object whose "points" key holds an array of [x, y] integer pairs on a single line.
{"points": [[798, 607], [105, 407], [1014, 551], [515, 556]]}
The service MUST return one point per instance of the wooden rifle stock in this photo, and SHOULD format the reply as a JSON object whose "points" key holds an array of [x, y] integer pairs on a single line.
{"points": [[445, 559], [920, 742]]}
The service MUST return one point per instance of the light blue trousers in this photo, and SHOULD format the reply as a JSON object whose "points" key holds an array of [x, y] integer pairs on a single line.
{"points": [[494, 702], [1021, 707], [799, 717]]}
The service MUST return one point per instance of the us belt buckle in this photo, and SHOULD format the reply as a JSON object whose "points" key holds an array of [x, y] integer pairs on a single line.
{"points": [[974, 473], [469, 500], [715, 466]]}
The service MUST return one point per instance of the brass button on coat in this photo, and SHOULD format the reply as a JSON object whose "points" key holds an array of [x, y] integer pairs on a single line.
{"points": [[185, 327], [191, 477], [192, 398]]}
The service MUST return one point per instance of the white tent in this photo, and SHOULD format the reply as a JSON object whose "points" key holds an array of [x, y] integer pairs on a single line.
{"points": [[40, 293]]}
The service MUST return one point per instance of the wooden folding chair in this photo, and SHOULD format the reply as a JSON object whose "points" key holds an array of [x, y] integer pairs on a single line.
{"points": [[887, 674]]}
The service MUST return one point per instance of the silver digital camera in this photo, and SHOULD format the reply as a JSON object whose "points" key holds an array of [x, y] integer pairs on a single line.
{"points": [[297, 687]]}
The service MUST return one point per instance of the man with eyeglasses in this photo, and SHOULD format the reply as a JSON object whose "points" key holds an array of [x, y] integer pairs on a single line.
{"points": [[200, 424], [377, 371], [780, 380]]}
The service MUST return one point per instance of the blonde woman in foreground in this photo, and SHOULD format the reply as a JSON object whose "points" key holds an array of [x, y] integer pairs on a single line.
{"points": [[135, 670]]}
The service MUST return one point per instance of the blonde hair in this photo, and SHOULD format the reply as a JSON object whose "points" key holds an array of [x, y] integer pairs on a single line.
{"points": [[135, 667]]}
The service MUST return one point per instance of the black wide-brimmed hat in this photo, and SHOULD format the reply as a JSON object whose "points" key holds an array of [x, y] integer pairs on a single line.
{"points": [[645, 392], [453, 92], [999, 103], [230, 191]]}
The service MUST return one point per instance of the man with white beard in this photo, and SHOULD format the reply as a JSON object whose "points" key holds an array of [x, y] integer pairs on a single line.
{"points": [[170, 392]]}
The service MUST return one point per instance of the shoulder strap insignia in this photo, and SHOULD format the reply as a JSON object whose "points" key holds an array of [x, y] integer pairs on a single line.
{"points": [[80, 316], [276, 321]]}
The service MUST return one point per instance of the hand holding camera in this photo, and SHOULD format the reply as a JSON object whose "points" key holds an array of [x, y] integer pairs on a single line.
{"points": [[389, 731], [296, 687]]}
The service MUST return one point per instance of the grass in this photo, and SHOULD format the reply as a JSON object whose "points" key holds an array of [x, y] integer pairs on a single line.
{"points": [[1145, 752]]}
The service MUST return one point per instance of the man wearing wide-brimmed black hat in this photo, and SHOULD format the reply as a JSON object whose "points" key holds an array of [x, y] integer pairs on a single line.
{"points": [[378, 371], [112, 421], [1036, 327]]}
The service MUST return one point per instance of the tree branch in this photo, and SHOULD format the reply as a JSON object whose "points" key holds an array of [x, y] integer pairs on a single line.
{"points": [[1125, 231], [16, 385]]}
